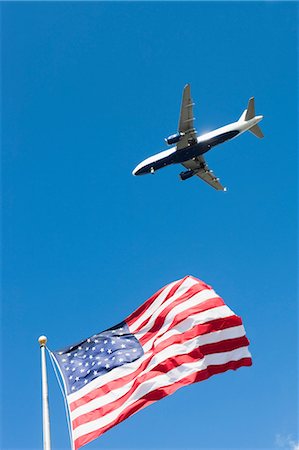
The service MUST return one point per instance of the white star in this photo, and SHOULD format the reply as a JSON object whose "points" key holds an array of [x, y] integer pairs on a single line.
{"points": [[80, 363], [99, 363], [63, 360], [105, 341], [85, 381], [88, 371], [109, 350], [96, 341], [87, 348], [72, 361], [70, 377], [88, 340], [107, 366], [73, 369], [93, 349], [90, 356], [75, 354], [82, 370], [112, 342], [127, 354], [123, 346], [121, 359], [67, 368], [95, 372], [77, 378], [86, 364], [73, 388], [93, 363], [80, 348], [134, 350], [121, 328], [101, 349], [69, 354]]}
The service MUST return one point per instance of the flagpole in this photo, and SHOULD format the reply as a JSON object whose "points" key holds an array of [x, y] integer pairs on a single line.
{"points": [[46, 418]]}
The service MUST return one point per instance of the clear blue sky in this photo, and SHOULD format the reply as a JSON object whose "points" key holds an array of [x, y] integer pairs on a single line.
{"points": [[88, 91]]}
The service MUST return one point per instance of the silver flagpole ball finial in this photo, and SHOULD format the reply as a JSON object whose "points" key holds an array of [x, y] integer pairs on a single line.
{"points": [[42, 341]]}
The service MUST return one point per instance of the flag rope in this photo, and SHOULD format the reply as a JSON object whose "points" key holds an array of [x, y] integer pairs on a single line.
{"points": [[63, 394]]}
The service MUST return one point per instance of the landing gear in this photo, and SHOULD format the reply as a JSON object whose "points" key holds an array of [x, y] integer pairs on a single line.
{"points": [[152, 170], [192, 141]]}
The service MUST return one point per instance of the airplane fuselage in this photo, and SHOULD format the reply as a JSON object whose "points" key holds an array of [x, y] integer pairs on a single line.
{"points": [[204, 143]]}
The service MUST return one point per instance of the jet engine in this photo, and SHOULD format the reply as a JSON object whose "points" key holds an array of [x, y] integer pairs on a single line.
{"points": [[188, 174], [174, 138]]}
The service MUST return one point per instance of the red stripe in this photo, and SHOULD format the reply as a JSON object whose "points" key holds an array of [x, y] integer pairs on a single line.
{"points": [[161, 393], [139, 311], [200, 307], [162, 368], [201, 329]]}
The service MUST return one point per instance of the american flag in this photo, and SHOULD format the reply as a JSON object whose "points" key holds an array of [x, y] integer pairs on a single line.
{"points": [[181, 335]]}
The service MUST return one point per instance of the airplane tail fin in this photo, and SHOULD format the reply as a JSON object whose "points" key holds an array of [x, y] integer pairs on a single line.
{"points": [[248, 114]]}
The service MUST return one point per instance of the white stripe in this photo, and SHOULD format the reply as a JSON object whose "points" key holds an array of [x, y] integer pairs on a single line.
{"points": [[126, 369], [158, 304], [166, 379], [220, 312], [196, 299], [169, 352]]}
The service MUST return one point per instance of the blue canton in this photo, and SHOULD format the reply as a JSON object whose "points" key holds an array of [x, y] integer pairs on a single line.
{"points": [[97, 355]]}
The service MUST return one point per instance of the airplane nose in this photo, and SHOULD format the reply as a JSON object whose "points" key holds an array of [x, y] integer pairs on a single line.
{"points": [[136, 170]]}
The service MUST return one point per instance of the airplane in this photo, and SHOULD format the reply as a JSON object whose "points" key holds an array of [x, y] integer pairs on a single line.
{"points": [[190, 148]]}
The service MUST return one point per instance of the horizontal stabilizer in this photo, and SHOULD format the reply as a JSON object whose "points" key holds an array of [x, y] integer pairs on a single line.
{"points": [[256, 131]]}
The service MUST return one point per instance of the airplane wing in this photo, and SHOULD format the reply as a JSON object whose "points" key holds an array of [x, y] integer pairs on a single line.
{"points": [[200, 166], [186, 121]]}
